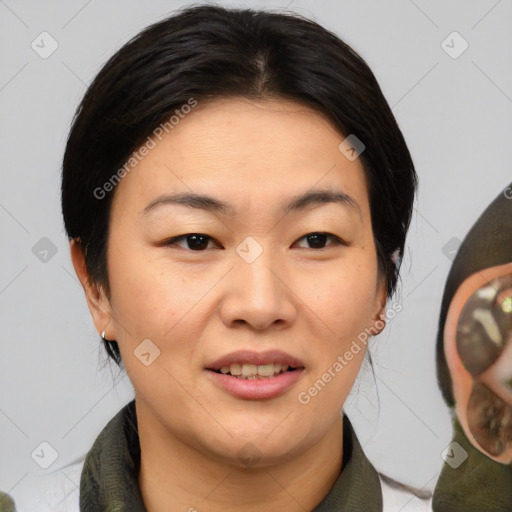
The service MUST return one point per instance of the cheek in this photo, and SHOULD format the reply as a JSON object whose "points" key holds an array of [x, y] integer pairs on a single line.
{"points": [[147, 300], [162, 306], [344, 302], [344, 298]]}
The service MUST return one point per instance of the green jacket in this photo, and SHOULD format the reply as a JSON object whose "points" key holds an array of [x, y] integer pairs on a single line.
{"points": [[108, 478], [478, 484]]}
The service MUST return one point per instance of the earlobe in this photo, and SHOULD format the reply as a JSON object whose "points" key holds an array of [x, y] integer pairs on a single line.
{"points": [[97, 301], [379, 314]]}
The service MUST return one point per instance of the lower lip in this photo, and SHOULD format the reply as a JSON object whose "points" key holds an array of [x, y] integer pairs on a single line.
{"points": [[256, 389]]}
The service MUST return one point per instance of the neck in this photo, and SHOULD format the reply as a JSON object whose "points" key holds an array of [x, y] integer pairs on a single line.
{"points": [[174, 476]]}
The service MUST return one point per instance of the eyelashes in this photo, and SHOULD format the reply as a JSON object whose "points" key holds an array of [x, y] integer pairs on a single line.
{"points": [[198, 242], [321, 234], [198, 239]]}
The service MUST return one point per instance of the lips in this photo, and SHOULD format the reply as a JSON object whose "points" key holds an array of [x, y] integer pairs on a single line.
{"points": [[255, 358], [250, 375]]}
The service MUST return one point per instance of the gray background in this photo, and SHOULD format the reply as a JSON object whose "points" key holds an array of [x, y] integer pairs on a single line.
{"points": [[456, 115]]}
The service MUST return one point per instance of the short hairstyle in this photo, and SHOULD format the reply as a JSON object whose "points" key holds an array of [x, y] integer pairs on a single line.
{"points": [[207, 52]]}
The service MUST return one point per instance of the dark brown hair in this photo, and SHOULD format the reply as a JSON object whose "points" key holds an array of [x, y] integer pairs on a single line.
{"points": [[208, 52]]}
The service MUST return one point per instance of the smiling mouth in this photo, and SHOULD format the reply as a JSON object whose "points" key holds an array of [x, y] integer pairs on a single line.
{"points": [[253, 371]]}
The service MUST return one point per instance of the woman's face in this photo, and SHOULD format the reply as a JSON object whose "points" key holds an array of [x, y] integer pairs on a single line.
{"points": [[253, 281]]}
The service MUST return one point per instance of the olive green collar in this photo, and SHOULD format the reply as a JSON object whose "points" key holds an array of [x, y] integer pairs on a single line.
{"points": [[109, 480], [358, 486]]}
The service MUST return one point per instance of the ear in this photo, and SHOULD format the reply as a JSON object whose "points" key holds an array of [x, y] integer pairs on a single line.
{"points": [[97, 300], [464, 384], [379, 306]]}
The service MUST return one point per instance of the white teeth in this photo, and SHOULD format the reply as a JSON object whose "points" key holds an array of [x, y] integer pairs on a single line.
{"points": [[248, 370], [266, 370], [252, 371], [235, 369]]}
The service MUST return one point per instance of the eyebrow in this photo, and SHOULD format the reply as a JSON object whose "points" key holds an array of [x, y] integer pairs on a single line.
{"points": [[213, 205]]}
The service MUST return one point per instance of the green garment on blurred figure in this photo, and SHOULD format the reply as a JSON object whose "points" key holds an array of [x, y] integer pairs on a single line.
{"points": [[6, 503], [479, 484]]}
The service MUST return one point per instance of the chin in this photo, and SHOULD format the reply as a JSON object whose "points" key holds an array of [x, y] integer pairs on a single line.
{"points": [[253, 455]]}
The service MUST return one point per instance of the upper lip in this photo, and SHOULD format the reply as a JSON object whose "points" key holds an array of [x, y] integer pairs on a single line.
{"points": [[257, 358]]}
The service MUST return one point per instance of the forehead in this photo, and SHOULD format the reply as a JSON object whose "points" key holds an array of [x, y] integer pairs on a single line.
{"points": [[246, 151]]}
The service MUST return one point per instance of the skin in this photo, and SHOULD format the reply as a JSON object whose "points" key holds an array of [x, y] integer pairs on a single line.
{"points": [[461, 378], [196, 306]]}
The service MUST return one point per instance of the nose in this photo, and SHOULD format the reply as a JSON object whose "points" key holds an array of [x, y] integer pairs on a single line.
{"points": [[258, 293]]}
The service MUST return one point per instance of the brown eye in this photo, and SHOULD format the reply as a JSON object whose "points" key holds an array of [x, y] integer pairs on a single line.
{"points": [[193, 241], [318, 240]]}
